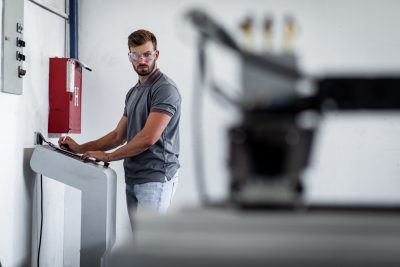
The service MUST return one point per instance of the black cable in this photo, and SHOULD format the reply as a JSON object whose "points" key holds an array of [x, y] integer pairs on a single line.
{"points": [[41, 219]]}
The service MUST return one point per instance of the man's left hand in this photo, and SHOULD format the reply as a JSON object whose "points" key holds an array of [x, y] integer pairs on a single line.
{"points": [[98, 155]]}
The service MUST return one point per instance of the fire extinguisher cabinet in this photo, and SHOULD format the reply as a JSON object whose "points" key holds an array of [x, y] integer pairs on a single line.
{"points": [[65, 95]]}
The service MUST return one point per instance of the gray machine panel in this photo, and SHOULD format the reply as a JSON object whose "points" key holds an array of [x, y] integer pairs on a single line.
{"points": [[98, 187]]}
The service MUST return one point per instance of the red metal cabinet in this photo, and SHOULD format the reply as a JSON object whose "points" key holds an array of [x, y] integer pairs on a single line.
{"points": [[65, 95]]}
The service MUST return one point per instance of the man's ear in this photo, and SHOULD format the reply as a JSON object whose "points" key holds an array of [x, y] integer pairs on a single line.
{"points": [[157, 54]]}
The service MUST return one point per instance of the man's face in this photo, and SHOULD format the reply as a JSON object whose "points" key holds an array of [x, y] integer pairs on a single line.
{"points": [[143, 58]]}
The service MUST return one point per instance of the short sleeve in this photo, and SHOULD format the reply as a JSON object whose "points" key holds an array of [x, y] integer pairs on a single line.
{"points": [[166, 99]]}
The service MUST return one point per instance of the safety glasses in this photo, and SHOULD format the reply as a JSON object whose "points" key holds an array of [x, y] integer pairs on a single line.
{"points": [[134, 56]]}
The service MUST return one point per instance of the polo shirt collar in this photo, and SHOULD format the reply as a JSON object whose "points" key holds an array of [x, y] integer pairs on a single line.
{"points": [[152, 78]]}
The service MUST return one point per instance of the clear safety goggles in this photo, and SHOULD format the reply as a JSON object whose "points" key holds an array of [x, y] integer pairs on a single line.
{"points": [[134, 56]]}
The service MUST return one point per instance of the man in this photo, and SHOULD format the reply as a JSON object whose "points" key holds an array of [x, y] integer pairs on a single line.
{"points": [[148, 132]]}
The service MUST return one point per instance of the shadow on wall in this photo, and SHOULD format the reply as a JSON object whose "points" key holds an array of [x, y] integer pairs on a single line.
{"points": [[29, 181]]}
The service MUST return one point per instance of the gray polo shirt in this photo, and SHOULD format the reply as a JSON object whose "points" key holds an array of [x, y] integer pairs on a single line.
{"points": [[158, 93]]}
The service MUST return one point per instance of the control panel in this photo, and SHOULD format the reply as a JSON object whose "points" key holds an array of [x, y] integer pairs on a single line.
{"points": [[13, 43]]}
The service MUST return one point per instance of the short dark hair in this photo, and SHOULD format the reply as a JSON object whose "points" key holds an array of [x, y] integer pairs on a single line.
{"points": [[141, 37]]}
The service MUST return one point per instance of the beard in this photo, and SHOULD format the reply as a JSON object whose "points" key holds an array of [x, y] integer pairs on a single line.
{"points": [[143, 69]]}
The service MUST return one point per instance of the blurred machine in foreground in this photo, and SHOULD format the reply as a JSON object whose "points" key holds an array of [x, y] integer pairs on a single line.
{"points": [[232, 238], [281, 109], [271, 147]]}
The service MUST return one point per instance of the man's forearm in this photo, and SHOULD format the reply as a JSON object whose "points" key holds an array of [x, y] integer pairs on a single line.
{"points": [[137, 145], [107, 142]]}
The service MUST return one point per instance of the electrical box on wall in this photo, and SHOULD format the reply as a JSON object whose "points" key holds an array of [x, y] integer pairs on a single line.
{"points": [[12, 44], [65, 94]]}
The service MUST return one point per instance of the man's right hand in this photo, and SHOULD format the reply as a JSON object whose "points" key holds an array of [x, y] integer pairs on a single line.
{"points": [[69, 144]]}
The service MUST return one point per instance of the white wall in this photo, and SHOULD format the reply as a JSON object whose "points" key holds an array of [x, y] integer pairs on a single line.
{"points": [[356, 157], [21, 115]]}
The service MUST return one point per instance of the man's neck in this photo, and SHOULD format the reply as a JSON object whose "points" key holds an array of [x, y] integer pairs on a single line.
{"points": [[143, 79]]}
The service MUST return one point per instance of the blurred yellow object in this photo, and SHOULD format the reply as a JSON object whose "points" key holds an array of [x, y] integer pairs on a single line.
{"points": [[247, 28]]}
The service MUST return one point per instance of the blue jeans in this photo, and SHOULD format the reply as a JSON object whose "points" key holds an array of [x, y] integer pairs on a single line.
{"points": [[153, 196]]}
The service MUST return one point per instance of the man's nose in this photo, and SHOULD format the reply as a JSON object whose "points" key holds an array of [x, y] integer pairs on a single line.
{"points": [[141, 59]]}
